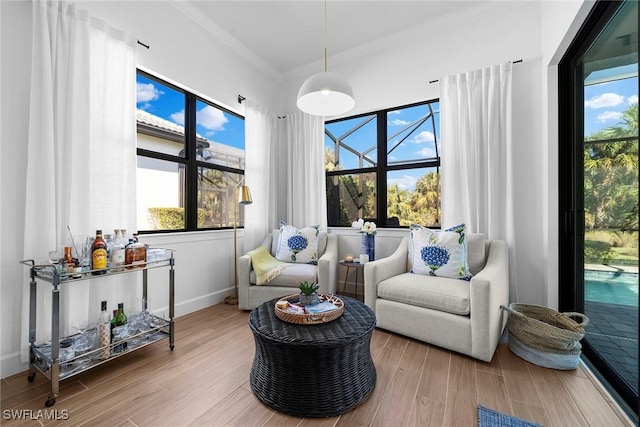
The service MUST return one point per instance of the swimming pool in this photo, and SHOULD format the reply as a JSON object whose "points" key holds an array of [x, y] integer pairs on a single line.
{"points": [[611, 287]]}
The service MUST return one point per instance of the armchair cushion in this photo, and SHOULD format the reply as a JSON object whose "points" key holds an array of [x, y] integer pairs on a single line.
{"points": [[298, 245], [438, 293], [440, 253]]}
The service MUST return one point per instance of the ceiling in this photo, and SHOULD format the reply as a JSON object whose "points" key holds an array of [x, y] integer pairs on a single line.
{"points": [[285, 37]]}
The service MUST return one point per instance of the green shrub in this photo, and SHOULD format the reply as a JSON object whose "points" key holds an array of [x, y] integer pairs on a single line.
{"points": [[166, 218], [597, 252]]}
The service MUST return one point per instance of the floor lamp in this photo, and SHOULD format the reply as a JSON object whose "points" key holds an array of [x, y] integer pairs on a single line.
{"points": [[244, 198]]}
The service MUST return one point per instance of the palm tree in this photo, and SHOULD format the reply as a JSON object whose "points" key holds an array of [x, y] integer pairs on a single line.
{"points": [[611, 174]]}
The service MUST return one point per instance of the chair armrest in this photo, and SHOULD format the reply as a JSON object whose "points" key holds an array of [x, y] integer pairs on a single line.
{"points": [[489, 290], [328, 266], [382, 269], [244, 274]]}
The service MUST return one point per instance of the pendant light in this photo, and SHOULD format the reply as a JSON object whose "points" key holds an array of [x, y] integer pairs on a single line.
{"points": [[325, 93]]}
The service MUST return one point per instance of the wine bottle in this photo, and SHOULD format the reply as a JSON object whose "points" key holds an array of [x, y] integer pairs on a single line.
{"points": [[103, 326], [121, 320], [112, 324], [99, 254]]}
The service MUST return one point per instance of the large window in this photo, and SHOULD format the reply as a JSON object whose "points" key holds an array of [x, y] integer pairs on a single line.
{"points": [[190, 159], [384, 166]]}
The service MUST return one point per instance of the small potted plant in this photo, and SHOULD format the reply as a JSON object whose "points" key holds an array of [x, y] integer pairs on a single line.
{"points": [[308, 295]]}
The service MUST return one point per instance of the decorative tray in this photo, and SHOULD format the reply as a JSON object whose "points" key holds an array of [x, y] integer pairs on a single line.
{"points": [[294, 313]]}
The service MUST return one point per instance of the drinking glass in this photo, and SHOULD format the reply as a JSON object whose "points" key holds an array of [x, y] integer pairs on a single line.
{"points": [[54, 257], [84, 341]]}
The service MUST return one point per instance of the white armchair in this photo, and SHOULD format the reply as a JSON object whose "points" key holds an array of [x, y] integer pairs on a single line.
{"points": [[324, 273], [455, 314]]}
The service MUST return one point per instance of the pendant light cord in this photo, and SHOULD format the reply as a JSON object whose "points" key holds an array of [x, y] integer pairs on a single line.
{"points": [[324, 40]]}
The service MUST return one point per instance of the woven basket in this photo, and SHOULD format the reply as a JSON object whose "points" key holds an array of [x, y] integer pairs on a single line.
{"points": [[544, 336], [311, 319]]}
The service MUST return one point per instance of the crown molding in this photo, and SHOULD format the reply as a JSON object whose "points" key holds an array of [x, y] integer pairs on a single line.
{"points": [[215, 30]]}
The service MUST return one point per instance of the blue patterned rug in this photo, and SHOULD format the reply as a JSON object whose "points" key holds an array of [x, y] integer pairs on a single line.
{"points": [[490, 418]]}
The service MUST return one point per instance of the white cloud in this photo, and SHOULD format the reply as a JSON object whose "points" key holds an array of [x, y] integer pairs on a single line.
{"points": [[394, 112], [406, 182], [398, 122], [211, 118], [178, 118], [146, 92], [633, 99], [424, 136], [427, 153], [605, 100], [609, 116]]}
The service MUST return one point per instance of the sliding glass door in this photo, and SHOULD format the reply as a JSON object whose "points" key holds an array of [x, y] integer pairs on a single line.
{"points": [[599, 191]]}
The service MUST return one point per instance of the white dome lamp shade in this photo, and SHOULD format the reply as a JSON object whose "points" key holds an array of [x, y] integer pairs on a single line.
{"points": [[325, 93]]}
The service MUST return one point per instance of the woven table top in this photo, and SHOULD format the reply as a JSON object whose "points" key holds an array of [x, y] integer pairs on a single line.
{"points": [[356, 321]]}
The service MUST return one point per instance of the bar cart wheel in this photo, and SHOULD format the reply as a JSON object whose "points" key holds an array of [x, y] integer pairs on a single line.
{"points": [[50, 402], [31, 377]]}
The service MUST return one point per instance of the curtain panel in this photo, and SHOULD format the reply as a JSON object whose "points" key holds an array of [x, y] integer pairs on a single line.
{"points": [[81, 164], [261, 130], [477, 155], [306, 182]]}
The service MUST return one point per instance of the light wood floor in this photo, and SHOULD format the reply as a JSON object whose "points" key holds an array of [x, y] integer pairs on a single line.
{"points": [[205, 381]]}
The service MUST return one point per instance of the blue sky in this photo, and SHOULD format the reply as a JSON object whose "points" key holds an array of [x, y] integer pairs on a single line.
{"points": [[211, 123], [605, 102]]}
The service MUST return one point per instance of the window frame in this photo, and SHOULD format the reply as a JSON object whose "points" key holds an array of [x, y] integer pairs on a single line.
{"points": [[382, 167], [190, 162]]}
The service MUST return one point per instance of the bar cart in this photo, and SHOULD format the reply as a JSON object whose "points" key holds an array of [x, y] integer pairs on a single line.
{"points": [[46, 357]]}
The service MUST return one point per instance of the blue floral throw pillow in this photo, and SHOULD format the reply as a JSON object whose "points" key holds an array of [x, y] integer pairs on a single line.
{"points": [[298, 245], [440, 253]]}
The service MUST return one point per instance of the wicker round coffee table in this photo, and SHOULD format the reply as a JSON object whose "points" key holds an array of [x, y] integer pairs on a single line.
{"points": [[318, 370]]}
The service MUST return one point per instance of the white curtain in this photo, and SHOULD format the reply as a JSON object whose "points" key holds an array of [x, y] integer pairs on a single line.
{"points": [[477, 155], [81, 167], [306, 190], [261, 133]]}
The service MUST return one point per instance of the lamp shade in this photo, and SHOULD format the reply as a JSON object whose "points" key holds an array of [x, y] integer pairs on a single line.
{"points": [[245, 196], [325, 94]]}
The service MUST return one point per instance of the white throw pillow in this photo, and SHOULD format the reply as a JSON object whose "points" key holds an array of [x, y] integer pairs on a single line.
{"points": [[298, 245], [440, 253]]}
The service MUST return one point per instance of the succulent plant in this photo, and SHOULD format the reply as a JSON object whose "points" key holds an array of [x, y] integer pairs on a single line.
{"points": [[307, 288]]}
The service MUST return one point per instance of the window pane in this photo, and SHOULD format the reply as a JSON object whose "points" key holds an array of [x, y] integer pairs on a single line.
{"points": [[413, 134], [218, 199], [160, 194], [160, 117], [351, 144], [413, 197], [219, 136], [350, 197]]}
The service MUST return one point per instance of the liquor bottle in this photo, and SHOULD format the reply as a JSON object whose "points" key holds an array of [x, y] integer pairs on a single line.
{"points": [[99, 254], [135, 254], [117, 252], [66, 263], [108, 239], [103, 326], [121, 320]]}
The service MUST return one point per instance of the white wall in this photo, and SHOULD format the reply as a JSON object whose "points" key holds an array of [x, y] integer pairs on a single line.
{"points": [[185, 54]]}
